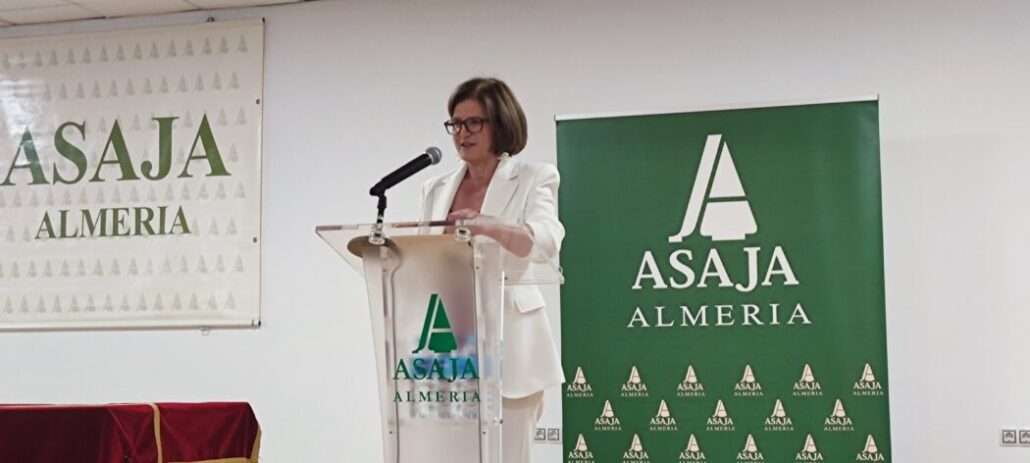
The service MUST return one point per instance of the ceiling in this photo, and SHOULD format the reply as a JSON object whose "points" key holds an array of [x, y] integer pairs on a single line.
{"points": [[15, 12]]}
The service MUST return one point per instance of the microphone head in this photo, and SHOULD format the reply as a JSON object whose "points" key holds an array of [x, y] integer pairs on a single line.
{"points": [[434, 154]]}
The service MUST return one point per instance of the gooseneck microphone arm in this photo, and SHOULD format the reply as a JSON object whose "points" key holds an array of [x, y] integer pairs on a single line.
{"points": [[426, 159], [430, 157]]}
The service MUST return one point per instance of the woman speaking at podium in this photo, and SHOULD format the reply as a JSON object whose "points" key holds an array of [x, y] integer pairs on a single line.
{"points": [[488, 127]]}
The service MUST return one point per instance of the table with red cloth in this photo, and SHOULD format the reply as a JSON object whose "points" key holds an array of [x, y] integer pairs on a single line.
{"points": [[224, 432]]}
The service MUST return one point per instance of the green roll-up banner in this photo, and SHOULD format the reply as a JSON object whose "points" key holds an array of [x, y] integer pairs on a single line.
{"points": [[724, 295]]}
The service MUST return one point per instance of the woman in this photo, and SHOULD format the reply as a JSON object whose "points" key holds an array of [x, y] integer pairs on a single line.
{"points": [[489, 128]]}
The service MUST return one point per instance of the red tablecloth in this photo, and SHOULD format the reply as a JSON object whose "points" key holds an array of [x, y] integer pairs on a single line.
{"points": [[129, 433]]}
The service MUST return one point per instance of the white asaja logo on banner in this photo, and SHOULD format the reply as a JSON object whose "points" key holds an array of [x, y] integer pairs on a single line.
{"points": [[807, 386], [634, 385], [779, 421], [607, 421], [808, 452], [870, 452], [838, 421], [867, 385], [717, 200], [663, 420], [748, 386], [720, 419], [580, 453], [693, 452], [636, 451], [750, 453], [691, 386], [579, 387]]}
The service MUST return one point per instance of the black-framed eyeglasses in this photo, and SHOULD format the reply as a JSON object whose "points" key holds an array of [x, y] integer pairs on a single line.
{"points": [[470, 125]]}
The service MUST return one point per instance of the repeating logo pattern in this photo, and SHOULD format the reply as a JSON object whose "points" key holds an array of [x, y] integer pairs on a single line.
{"points": [[807, 386], [778, 420], [663, 419], [692, 452], [720, 419], [580, 453], [867, 385], [634, 385], [691, 385], [748, 386], [607, 421], [636, 451], [579, 387]]}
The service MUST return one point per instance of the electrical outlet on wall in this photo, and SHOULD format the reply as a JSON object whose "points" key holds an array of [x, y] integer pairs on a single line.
{"points": [[1008, 437], [1024, 437], [540, 435], [554, 434]]}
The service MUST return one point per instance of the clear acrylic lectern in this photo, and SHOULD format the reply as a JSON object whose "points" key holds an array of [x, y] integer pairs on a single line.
{"points": [[436, 292]]}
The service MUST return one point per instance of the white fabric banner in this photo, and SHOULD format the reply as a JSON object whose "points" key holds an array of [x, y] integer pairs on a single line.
{"points": [[130, 178]]}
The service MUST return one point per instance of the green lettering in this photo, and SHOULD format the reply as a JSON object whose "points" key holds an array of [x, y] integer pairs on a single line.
{"points": [[31, 163], [90, 224], [142, 222], [70, 152], [46, 226], [164, 140], [64, 226], [437, 369], [419, 365], [118, 221], [470, 369], [401, 369], [179, 221], [121, 156], [211, 154]]}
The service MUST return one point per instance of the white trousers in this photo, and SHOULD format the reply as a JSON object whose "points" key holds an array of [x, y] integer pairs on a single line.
{"points": [[519, 426]]}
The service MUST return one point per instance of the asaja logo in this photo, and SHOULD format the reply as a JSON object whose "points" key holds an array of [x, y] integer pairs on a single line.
{"points": [[808, 452], [718, 193], [436, 330], [634, 385], [691, 386], [636, 451], [720, 419], [870, 452], [779, 421], [867, 385], [748, 386], [663, 420], [717, 207], [692, 453], [838, 421], [580, 453], [579, 387], [750, 452], [439, 364], [607, 421], [807, 386]]}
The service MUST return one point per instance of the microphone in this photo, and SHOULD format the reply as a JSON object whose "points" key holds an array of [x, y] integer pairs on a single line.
{"points": [[430, 157]]}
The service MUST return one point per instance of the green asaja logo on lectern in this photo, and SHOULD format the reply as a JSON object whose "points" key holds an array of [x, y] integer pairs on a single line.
{"points": [[440, 362], [436, 330]]}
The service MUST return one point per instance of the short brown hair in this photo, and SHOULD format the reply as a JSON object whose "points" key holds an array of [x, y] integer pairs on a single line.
{"points": [[503, 110]]}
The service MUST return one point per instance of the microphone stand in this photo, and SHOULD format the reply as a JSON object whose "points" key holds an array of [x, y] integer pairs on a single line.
{"points": [[377, 237]]}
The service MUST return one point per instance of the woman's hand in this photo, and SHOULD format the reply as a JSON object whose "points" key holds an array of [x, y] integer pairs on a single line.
{"points": [[516, 239], [462, 214]]}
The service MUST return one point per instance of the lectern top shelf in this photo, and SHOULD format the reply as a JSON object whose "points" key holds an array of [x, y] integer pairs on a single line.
{"points": [[536, 268]]}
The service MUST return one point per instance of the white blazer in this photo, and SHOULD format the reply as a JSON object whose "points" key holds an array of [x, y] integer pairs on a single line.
{"points": [[519, 192]]}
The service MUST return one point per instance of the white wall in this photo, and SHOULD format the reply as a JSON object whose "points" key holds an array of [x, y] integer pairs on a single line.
{"points": [[355, 88]]}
